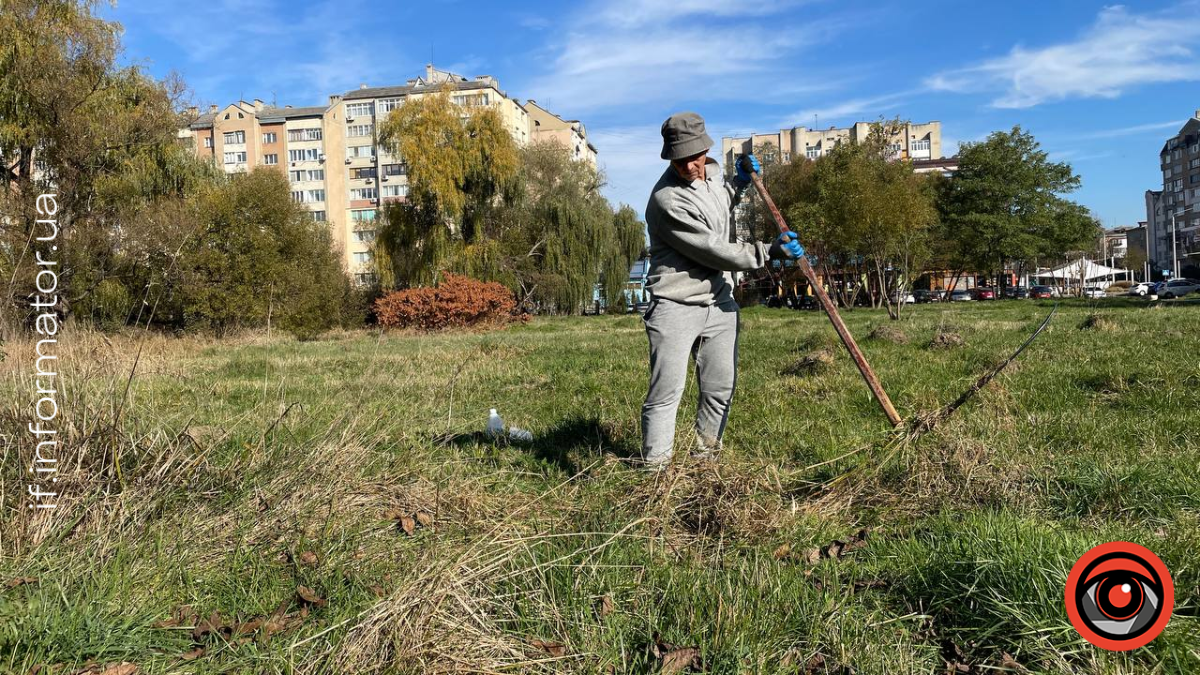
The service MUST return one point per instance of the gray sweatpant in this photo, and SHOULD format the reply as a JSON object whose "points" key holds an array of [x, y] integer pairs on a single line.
{"points": [[710, 336]]}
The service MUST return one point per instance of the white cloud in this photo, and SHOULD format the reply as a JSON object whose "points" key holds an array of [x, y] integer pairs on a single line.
{"points": [[866, 108], [302, 57], [643, 53], [1119, 51], [636, 13], [1129, 131]]}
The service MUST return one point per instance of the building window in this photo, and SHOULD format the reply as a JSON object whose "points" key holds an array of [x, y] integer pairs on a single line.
{"points": [[363, 193], [920, 146], [363, 216], [364, 236], [270, 137], [360, 130], [468, 100], [395, 190], [365, 172], [360, 151], [364, 278], [395, 169], [360, 109], [1194, 163], [812, 152], [316, 195], [298, 196], [304, 154], [306, 174], [208, 141], [235, 157], [270, 159], [235, 137], [388, 104], [318, 216], [313, 134], [362, 257]]}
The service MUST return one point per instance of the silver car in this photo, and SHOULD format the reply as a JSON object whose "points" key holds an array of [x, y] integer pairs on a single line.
{"points": [[1179, 287], [961, 296]]}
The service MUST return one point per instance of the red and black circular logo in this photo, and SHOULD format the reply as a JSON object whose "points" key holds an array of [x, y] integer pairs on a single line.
{"points": [[1119, 596]]}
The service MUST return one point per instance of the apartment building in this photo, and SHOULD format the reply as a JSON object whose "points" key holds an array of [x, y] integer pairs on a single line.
{"points": [[546, 126], [908, 141], [332, 156], [1172, 213]]}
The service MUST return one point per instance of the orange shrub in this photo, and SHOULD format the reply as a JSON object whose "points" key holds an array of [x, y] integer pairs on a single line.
{"points": [[457, 302]]}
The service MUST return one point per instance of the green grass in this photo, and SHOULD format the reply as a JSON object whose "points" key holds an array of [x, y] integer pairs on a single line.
{"points": [[236, 457]]}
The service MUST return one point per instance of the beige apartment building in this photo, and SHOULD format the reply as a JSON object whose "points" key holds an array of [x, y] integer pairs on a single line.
{"points": [[909, 141], [332, 157], [548, 127]]}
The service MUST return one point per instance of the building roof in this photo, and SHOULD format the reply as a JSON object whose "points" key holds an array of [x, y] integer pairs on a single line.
{"points": [[273, 114], [288, 113], [420, 88]]}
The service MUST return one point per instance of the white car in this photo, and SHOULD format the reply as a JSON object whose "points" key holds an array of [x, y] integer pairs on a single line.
{"points": [[1143, 289], [1094, 292], [909, 298], [1179, 287], [961, 296]]}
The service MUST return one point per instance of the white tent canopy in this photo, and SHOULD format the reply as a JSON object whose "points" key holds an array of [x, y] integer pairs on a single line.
{"points": [[1083, 269]]}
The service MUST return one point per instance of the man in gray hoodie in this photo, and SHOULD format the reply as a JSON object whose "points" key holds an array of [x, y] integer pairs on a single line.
{"points": [[692, 310]]}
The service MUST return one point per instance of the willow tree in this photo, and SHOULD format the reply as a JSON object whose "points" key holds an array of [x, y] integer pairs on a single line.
{"points": [[530, 218], [71, 119], [461, 161]]}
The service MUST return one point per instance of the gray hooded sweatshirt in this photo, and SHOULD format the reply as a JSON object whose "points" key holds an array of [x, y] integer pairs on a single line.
{"points": [[691, 247]]}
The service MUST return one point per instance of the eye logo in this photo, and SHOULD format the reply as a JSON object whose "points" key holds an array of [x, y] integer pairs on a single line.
{"points": [[1119, 596]]}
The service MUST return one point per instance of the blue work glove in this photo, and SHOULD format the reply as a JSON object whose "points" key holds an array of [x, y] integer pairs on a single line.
{"points": [[747, 164], [787, 246]]}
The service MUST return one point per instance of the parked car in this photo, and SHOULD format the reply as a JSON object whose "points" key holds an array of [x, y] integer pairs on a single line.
{"points": [[983, 293], [909, 298], [1094, 292], [1143, 289], [1016, 292], [1041, 292], [1176, 288], [961, 296], [927, 296]]}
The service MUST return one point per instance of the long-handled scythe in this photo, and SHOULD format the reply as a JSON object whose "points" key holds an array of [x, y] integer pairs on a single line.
{"points": [[919, 426], [831, 311]]}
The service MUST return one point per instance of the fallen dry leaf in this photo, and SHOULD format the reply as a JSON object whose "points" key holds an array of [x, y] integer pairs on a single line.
{"points": [[119, 669], [555, 649], [1007, 661], [408, 525], [213, 625], [605, 606], [392, 514], [20, 581], [675, 659], [680, 659], [782, 552], [308, 595], [192, 655], [424, 519], [308, 558]]}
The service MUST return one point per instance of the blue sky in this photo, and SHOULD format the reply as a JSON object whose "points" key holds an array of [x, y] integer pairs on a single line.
{"points": [[1101, 86]]}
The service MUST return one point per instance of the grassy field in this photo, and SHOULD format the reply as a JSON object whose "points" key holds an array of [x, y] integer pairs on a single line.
{"points": [[261, 505]]}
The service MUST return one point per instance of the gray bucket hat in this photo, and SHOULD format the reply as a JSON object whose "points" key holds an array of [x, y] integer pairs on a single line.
{"points": [[684, 135]]}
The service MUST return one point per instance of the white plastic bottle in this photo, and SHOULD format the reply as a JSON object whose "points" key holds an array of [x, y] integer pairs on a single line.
{"points": [[495, 425]]}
